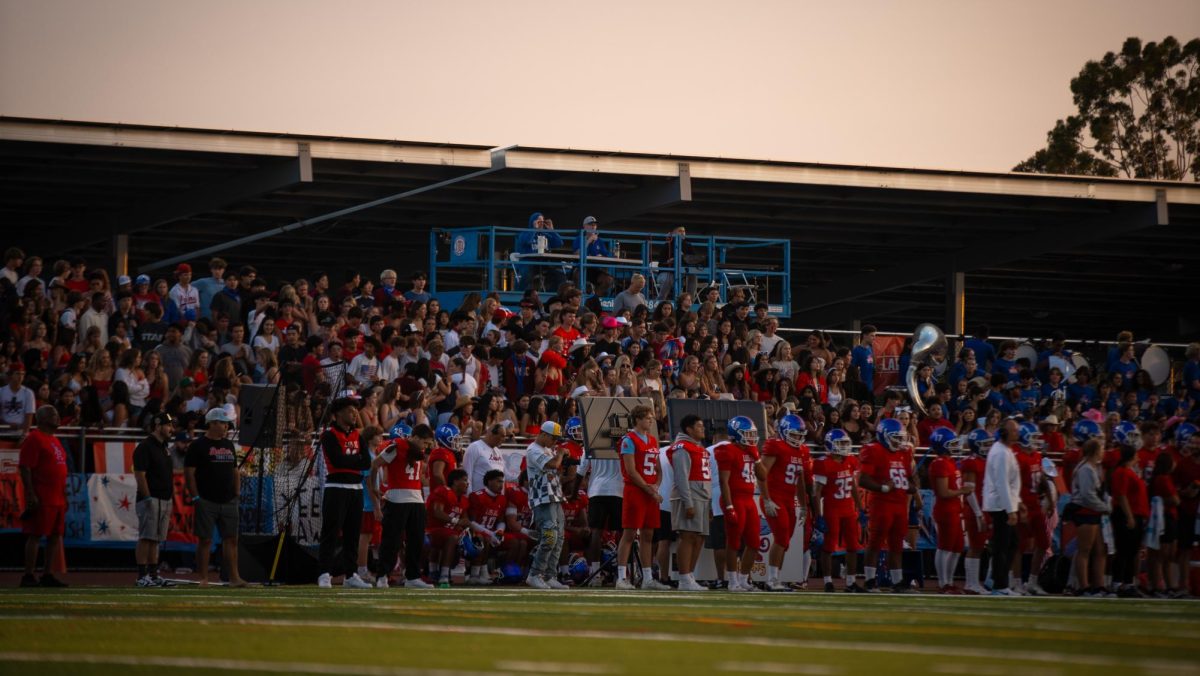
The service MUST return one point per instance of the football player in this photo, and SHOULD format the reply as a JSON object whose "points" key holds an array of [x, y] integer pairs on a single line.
{"points": [[740, 470], [788, 464], [573, 440], [443, 458], [691, 497], [578, 535], [486, 510], [402, 461], [978, 530], [518, 519], [1187, 481], [1032, 531], [640, 500], [889, 473], [837, 504], [949, 489], [447, 509]]}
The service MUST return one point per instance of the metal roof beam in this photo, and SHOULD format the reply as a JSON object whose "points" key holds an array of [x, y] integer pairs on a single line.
{"points": [[842, 314], [625, 205], [978, 256]]}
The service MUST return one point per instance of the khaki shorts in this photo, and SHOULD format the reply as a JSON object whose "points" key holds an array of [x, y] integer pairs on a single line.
{"points": [[696, 524], [223, 516], [154, 519]]}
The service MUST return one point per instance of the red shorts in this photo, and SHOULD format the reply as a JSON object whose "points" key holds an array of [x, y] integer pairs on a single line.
{"points": [[639, 510], [841, 533], [949, 530], [887, 527], [743, 525], [1034, 528], [438, 537], [371, 527], [46, 520], [976, 538], [511, 537], [783, 524]]}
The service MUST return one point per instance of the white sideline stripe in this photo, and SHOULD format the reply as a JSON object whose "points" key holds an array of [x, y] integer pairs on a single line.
{"points": [[233, 665], [778, 668], [991, 670], [555, 667], [762, 641]]}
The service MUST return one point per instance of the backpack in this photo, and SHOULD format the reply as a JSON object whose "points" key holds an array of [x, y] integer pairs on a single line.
{"points": [[1054, 574]]}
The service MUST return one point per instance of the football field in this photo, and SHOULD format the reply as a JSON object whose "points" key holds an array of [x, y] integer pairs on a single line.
{"points": [[303, 630]]}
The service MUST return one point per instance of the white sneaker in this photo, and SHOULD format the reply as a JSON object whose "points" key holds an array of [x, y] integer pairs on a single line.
{"points": [[654, 585], [778, 586], [1034, 589], [691, 585], [597, 581], [625, 585], [381, 582], [145, 581], [555, 584], [325, 581], [366, 577], [737, 588], [355, 582], [536, 582], [1005, 592], [482, 580], [749, 586], [417, 583]]}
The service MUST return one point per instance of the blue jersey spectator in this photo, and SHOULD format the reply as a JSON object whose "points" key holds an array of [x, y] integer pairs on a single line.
{"points": [[589, 237], [863, 357], [210, 286], [985, 354]]}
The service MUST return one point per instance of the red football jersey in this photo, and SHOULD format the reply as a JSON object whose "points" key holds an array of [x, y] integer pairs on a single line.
{"points": [[574, 449], [788, 470], [1126, 482], [575, 506], [1070, 460], [452, 503], [1146, 458], [976, 465], [486, 509], [400, 475], [518, 499], [883, 466], [943, 466], [739, 462], [1031, 479], [445, 455], [699, 470], [1163, 487], [837, 490], [645, 457], [1187, 473]]}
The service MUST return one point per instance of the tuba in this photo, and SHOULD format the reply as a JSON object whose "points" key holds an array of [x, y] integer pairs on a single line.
{"points": [[928, 343]]}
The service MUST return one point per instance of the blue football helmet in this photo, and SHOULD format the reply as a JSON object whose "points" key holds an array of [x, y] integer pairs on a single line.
{"points": [[979, 441], [1127, 434], [578, 568], [891, 434], [447, 436], [742, 431], [574, 429], [792, 429], [838, 443], [471, 545], [1086, 429], [943, 441], [1029, 437], [1187, 435], [400, 430]]}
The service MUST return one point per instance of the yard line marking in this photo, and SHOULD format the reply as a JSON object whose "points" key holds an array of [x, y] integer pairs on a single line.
{"points": [[762, 641], [235, 665], [779, 668], [555, 667], [991, 670]]}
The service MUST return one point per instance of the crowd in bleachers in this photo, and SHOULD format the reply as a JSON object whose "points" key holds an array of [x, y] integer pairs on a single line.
{"points": [[113, 352]]}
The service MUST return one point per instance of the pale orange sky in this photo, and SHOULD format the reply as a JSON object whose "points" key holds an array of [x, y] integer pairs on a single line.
{"points": [[949, 85]]}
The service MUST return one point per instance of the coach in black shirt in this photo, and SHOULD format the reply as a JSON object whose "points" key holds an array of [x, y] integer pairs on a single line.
{"points": [[154, 471], [214, 484], [341, 508]]}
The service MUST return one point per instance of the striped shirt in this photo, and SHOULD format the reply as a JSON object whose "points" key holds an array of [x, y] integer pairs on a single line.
{"points": [[544, 486]]}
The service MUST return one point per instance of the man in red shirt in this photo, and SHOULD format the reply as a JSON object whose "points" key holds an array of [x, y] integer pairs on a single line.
{"points": [[447, 509], [566, 328], [740, 469], [949, 489], [518, 519], [789, 465], [486, 511], [837, 507], [640, 500], [977, 529], [1187, 481], [889, 473], [43, 465], [1032, 530], [443, 459]]}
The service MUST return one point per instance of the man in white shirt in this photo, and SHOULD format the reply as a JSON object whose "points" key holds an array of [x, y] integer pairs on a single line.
{"points": [[606, 487], [94, 316], [1002, 500], [483, 456], [17, 402], [769, 339], [186, 296], [364, 368]]}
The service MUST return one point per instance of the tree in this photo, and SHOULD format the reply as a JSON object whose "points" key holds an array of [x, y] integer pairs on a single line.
{"points": [[1138, 116]]}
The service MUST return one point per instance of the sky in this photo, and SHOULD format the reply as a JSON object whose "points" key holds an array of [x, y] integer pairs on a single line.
{"points": [[964, 85]]}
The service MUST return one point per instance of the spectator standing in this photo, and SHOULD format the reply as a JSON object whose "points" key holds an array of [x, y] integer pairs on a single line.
{"points": [[17, 401], [1131, 509], [1002, 501], [543, 457], [174, 355], [185, 296], [209, 287], [863, 357], [43, 467], [210, 470], [154, 471], [1087, 506], [631, 298]]}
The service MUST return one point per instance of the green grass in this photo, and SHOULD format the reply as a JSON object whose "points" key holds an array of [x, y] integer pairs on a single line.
{"points": [[306, 630]]}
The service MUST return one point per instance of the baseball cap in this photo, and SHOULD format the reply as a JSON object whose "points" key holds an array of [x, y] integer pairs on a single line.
{"points": [[162, 419], [122, 280], [182, 268], [610, 322], [623, 321], [143, 279], [218, 414], [16, 367], [552, 428], [185, 381], [589, 220]]}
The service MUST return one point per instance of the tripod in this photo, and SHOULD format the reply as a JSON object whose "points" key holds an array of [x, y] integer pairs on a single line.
{"points": [[610, 567]]}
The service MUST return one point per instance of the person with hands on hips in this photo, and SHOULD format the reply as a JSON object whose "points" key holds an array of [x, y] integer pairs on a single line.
{"points": [[640, 500]]}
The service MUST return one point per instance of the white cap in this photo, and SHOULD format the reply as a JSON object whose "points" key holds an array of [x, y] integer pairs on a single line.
{"points": [[218, 414]]}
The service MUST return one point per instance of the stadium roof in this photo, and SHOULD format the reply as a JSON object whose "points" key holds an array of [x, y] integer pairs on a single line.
{"points": [[1030, 253]]}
